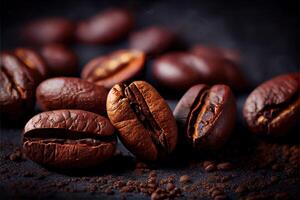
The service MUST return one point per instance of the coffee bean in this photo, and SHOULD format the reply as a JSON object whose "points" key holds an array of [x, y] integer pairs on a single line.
{"points": [[17, 156], [34, 62], [144, 120], [49, 30], [69, 139], [226, 61], [170, 186], [60, 59], [17, 85], [106, 27], [212, 52], [226, 166], [273, 108], [210, 168], [206, 163], [206, 116], [184, 179], [152, 40], [71, 93], [117, 67], [181, 70]]}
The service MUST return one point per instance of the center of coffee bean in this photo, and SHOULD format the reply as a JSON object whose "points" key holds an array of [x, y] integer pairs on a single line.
{"points": [[201, 116], [143, 113]]}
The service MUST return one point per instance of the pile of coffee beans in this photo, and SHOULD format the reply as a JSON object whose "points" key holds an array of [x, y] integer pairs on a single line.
{"points": [[81, 118]]}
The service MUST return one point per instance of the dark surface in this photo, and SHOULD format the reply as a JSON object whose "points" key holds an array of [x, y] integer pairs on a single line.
{"points": [[267, 35]]}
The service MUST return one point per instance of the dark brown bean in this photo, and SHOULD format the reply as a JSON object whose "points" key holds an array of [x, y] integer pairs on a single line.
{"points": [[184, 179], [118, 67], [49, 30], [152, 40], [273, 108], [210, 168], [69, 139], [34, 62], [213, 52], [106, 27], [181, 70], [226, 166], [71, 93], [17, 85], [144, 121], [60, 60], [206, 115]]}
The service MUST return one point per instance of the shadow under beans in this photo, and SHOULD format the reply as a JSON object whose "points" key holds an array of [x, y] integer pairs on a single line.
{"points": [[118, 164]]}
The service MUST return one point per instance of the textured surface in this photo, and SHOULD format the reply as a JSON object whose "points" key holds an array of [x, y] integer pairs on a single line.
{"points": [[143, 119], [68, 139]]}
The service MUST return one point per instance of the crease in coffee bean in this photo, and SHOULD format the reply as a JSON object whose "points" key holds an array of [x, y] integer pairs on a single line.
{"points": [[63, 136], [141, 109], [202, 114], [111, 66], [14, 85], [193, 115], [25, 58], [271, 112]]}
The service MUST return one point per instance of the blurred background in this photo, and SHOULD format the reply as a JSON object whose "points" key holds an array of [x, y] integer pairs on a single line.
{"points": [[265, 32]]}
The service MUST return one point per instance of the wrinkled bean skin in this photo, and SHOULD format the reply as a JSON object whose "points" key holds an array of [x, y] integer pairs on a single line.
{"points": [[34, 62], [152, 40], [106, 27], [273, 108], [118, 67], [60, 59], [206, 116], [69, 139], [143, 119], [17, 87], [181, 70], [49, 30], [71, 93]]}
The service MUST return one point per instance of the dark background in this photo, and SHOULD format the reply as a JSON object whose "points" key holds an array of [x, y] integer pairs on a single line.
{"points": [[265, 32]]}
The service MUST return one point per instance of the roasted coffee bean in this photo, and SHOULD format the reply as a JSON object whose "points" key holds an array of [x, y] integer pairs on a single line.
{"points": [[213, 52], [60, 59], [69, 139], [118, 67], [144, 121], [106, 27], [206, 115], [181, 70], [33, 61], [71, 93], [49, 30], [273, 108], [17, 85], [152, 40], [227, 61]]}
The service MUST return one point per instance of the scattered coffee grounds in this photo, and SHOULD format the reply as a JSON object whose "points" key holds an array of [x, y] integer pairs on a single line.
{"points": [[250, 177]]}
